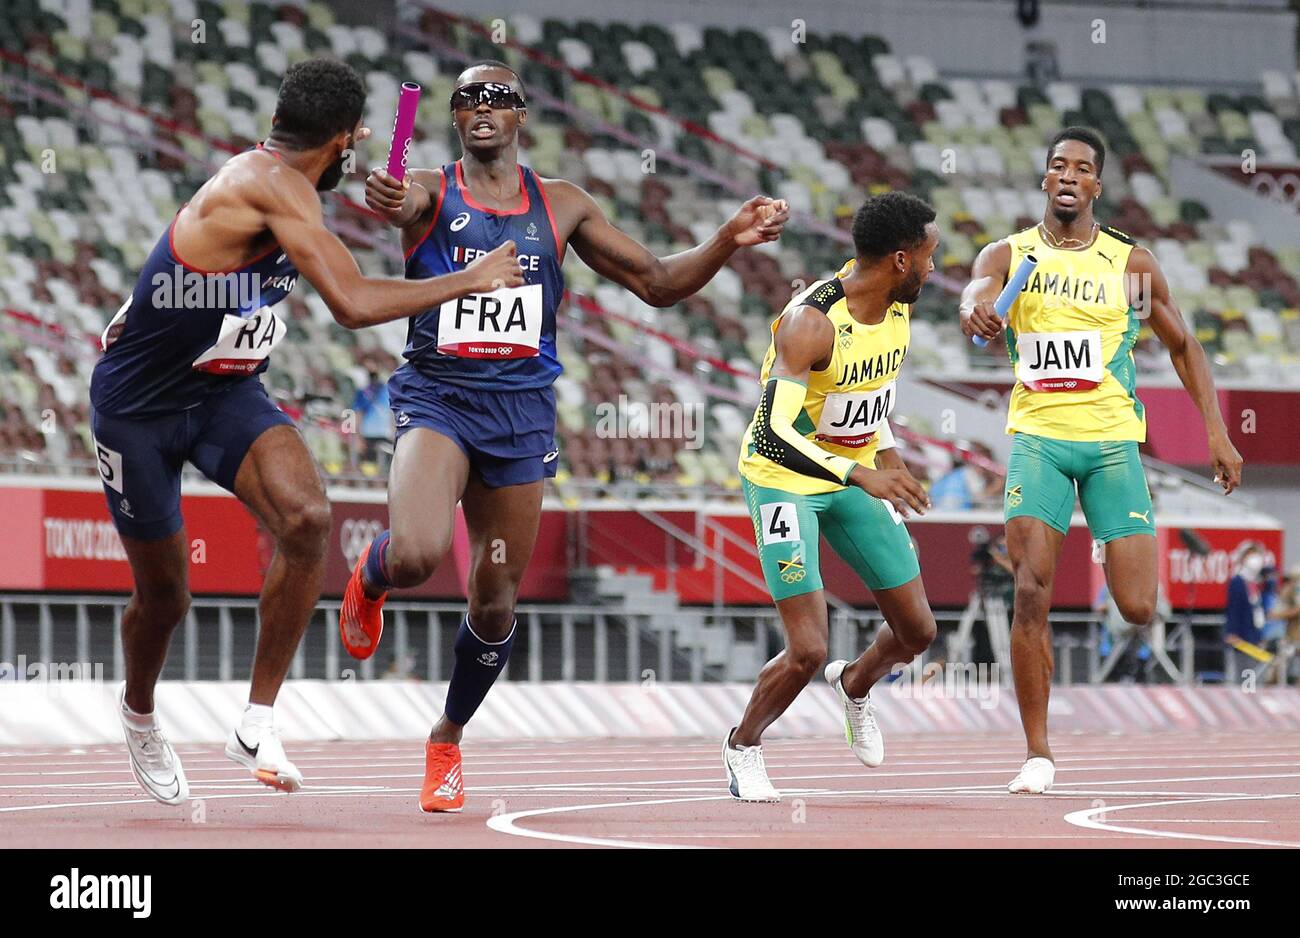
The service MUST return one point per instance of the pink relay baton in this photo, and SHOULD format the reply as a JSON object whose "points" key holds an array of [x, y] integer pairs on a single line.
{"points": [[403, 125]]}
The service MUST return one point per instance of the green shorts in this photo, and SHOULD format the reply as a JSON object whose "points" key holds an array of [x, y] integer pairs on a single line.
{"points": [[866, 532], [1042, 475]]}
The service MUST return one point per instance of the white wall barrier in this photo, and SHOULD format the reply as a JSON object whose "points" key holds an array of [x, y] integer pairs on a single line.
{"points": [[35, 713]]}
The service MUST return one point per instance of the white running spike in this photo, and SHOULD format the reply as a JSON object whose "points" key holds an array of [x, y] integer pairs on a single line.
{"points": [[746, 774], [860, 726], [1036, 776], [154, 762]]}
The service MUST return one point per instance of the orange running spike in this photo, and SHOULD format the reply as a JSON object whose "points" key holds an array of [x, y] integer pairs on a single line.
{"points": [[361, 620], [444, 787]]}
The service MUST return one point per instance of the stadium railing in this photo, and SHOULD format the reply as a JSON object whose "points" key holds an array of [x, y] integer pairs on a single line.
{"points": [[562, 642]]}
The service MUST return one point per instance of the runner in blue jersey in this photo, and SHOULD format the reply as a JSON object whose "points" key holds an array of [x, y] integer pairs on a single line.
{"points": [[178, 382], [474, 402]]}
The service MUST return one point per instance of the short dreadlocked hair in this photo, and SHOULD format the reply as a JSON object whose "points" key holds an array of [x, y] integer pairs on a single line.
{"points": [[891, 222], [318, 99]]}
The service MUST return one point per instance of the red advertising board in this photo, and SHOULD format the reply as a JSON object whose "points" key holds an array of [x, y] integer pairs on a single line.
{"points": [[1202, 580], [61, 538], [82, 551]]}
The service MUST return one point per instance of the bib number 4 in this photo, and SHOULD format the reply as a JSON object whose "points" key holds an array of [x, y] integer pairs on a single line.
{"points": [[779, 521]]}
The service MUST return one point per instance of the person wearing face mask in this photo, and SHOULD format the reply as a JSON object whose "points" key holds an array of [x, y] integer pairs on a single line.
{"points": [[1243, 627], [179, 383]]}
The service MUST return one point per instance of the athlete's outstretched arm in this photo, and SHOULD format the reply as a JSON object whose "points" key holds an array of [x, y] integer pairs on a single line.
{"points": [[805, 338], [1149, 291], [988, 273], [667, 280], [293, 213]]}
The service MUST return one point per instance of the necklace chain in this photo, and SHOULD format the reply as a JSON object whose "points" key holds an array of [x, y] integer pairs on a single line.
{"points": [[1051, 239]]}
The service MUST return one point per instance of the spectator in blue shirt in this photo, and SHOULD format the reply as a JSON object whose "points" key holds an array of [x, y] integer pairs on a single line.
{"points": [[371, 406]]}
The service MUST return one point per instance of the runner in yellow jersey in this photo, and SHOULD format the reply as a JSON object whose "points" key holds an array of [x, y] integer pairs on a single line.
{"points": [[818, 458], [1076, 418]]}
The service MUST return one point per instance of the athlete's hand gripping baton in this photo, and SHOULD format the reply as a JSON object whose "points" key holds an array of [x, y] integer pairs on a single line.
{"points": [[403, 125], [1002, 305]]}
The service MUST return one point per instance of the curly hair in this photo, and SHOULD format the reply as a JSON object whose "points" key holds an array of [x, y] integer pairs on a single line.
{"points": [[318, 99], [891, 222], [1083, 135]]}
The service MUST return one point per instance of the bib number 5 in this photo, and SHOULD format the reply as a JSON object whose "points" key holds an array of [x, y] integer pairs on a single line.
{"points": [[110, 466]]}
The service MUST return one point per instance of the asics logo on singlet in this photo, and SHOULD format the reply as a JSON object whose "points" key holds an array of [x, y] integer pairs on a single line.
{"points": [[459, 222]]}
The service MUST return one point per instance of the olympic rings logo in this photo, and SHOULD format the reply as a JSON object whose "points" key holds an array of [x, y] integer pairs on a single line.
{"points": [[355, 534]]}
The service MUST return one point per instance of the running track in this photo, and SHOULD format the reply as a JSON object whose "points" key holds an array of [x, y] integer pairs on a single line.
{"points": [[1170, 790]]}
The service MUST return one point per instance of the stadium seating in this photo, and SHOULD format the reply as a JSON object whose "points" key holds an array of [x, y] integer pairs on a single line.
{"points": [[112, 114]]}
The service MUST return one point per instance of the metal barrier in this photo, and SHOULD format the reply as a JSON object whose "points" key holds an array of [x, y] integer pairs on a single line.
{"points": [[217, 638]]}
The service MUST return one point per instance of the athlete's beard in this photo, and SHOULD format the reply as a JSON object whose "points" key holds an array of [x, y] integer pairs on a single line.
{"points": [[332, 176], [909, 291], [1064, 216]]}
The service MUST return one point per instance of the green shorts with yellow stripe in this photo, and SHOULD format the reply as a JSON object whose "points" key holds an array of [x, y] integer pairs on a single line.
{"points": [[1043, 475], [866, 532]]}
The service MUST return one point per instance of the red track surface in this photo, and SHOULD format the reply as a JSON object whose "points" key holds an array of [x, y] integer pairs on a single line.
{"points": [[933, 791]]}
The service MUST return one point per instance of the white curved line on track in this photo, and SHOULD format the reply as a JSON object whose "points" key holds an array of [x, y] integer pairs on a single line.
{"points": [[506, 824], [1086, 818]]}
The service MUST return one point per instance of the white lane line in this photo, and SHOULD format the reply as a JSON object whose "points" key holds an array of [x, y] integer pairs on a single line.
{"points": [[305, 793], [700, 836], [685, 751], [482, 766], [1188, 820], [1088, 818], [506, 824]]}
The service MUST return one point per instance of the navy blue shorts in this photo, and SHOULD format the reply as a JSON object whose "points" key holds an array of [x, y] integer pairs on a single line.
{"points": [[140, 459], [507, 436]]}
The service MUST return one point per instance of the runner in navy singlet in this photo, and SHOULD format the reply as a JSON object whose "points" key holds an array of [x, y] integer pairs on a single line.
{"points": [[179, 383], [474, 402]]}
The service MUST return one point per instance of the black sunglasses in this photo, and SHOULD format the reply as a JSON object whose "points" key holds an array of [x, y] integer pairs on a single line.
{"points": [[497, 95]]}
